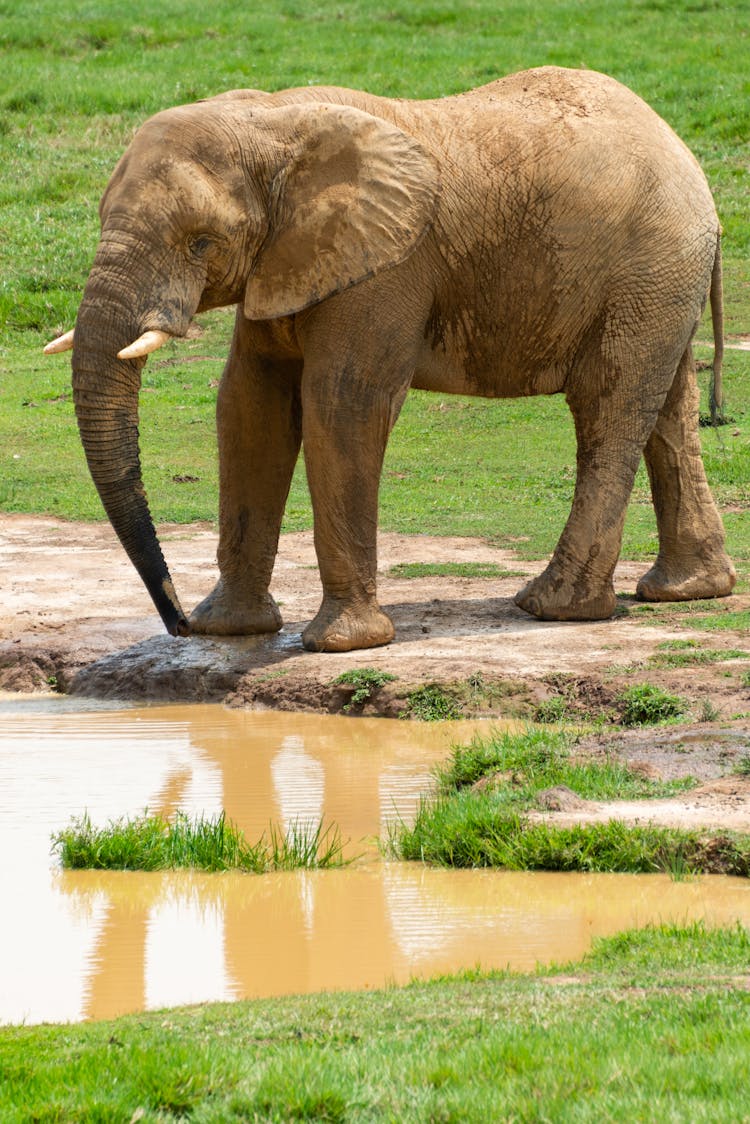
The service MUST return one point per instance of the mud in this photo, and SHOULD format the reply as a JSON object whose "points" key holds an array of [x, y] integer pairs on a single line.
{"points": [[75, 618]]}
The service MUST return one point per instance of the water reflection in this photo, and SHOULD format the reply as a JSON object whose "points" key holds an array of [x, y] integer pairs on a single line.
{"points": [[92, 945]]}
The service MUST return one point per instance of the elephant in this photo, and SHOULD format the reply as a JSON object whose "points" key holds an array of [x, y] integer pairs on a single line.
{"points": [[547, 233]]}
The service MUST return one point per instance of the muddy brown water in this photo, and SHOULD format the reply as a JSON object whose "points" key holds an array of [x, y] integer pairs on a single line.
{"points": [[85, 944]]}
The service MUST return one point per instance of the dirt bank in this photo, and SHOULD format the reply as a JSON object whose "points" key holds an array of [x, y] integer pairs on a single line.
{"points": [[75, 618]]}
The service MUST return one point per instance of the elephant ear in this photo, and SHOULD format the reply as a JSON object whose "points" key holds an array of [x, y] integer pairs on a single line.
{"points": [[355, 196]]}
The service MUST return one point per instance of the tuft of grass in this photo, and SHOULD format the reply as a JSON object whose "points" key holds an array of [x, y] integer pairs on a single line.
{"points": [[555, 709], [644, 704], [432, 703], [479, 693], [709, 711], [452, 570], [151, 843], [365, 681], [657, 952]]}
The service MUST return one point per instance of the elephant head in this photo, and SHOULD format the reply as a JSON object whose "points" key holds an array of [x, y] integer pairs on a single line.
{"points": [[226, 201]]}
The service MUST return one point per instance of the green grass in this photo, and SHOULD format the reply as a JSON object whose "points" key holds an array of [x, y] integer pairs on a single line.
{"points": [[76, 82], [688, 653], [469, 832], [726, 619], [433, 703], [204, 843], [651, 1025], [452, 570], [478, 816], [523, 764]]}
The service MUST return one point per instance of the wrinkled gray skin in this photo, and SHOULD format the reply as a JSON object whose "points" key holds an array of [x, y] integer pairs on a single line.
{"points": [[545, 234]]}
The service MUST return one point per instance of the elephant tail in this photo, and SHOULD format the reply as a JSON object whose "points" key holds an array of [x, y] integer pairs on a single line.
{"points": [[715, 393]]}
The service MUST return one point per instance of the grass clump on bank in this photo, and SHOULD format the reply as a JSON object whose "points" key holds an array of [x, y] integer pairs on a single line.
{"points": [[480, 815], [469, 833], [433, 703], [644, 704], [365, 682], [206, 843], [650, 1025]]}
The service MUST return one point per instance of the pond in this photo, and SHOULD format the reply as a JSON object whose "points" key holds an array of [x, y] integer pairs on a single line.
{"points": [[84, 944]]}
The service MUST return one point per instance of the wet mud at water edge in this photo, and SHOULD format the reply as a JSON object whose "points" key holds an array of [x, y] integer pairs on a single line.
{"points": [[87, 944], [77, 617]]}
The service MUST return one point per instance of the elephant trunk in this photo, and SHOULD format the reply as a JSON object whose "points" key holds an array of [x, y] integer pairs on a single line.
{"points": [[105, 391]]}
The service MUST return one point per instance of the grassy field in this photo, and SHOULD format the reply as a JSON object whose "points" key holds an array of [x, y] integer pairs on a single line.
{"points": [[76, 82], [653, 1025]]}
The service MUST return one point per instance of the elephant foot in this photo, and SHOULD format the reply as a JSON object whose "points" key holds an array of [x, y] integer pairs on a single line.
{"points": [[225, 614], [660, 584], [551, 597], [339, 628]]}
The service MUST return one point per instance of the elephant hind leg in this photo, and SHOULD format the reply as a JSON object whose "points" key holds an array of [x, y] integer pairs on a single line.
{"points": [[692, 562], [614, 413]]}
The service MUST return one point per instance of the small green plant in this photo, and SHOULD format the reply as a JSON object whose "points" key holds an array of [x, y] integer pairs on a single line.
{"points": [[742, 766], [432, 703], [709, 712], [552, 710], [643, 704], [366, 681], [206, 843]]}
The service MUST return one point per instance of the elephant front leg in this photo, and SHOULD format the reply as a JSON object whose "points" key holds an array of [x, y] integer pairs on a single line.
{"points": [[259, 434], [345, 429], [692, 561]]}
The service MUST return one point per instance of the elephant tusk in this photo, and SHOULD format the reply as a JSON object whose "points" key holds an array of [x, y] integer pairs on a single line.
{"points": [[62, 343], [144, 345]]}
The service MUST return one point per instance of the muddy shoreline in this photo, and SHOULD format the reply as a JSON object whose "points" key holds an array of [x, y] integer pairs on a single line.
{"points": [[75, 619]]}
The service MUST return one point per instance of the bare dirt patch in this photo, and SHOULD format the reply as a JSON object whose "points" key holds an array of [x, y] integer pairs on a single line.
{"points": [[75, 618]]}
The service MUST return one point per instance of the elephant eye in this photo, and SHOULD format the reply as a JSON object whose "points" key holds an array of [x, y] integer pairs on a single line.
{"points": [[198, 244]]}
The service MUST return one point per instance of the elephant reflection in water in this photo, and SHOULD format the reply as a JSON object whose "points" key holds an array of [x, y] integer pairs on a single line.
{"points": [[260, 772]]}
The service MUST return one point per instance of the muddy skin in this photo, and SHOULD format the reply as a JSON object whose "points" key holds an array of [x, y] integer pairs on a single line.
{"points": [[547, 233]]}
